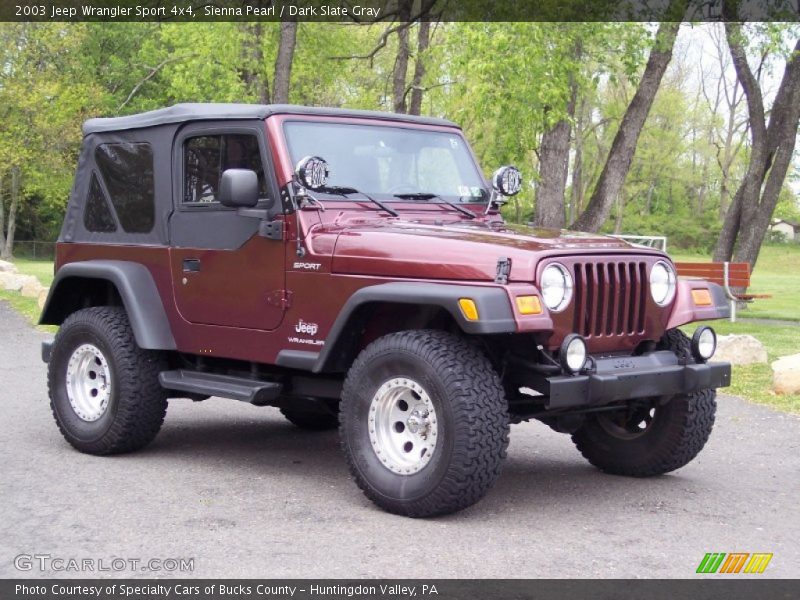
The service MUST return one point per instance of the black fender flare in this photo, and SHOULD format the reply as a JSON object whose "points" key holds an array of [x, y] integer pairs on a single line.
{"points": [[136, 288], [492, 302]]}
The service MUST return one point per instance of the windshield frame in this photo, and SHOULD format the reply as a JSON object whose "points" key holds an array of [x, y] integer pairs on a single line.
{"points": [[392, 124]]}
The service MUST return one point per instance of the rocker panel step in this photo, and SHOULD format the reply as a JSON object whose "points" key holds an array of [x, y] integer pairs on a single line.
{"points": [[225, 386]]}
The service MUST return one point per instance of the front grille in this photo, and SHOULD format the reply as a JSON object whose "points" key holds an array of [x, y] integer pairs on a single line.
{"points": [[610, 298]]}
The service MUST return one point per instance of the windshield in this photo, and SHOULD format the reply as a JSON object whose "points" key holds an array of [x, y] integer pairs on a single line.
{"points": [[390, 162]]}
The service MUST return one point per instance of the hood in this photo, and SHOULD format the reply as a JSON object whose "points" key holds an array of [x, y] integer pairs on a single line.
{"points": [[458, 250]]}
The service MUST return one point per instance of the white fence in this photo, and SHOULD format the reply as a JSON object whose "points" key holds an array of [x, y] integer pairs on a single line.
{"points": [[649, 241]]}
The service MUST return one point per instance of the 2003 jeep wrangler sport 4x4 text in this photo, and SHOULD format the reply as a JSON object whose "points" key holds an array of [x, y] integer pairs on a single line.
{"points": [[352, 269]]}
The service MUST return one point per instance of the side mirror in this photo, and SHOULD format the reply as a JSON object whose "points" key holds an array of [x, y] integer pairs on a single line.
{"points": [[507, 181], [238, 188], [312, 172]]}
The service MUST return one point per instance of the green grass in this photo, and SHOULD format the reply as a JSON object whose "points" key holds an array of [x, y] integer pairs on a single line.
{"points": [[777, 273], [27, 307], [755, 381], [41, 269]]}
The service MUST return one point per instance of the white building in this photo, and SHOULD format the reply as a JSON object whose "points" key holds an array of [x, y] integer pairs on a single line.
{"points": [[788, 228]]}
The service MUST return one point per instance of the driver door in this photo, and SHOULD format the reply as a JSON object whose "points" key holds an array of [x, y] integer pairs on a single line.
{"points": [[223, 272]]}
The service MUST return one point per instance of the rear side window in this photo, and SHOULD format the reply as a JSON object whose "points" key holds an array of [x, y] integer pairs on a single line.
{"points": [[97, 216], [205, 158], [127, 171]]}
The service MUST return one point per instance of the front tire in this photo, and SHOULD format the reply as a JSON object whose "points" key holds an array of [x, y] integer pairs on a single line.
{"points": [[104, 389], [650, 438], [423, 423]]}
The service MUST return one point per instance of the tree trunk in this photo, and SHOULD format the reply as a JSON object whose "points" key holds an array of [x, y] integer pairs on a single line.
{"points": [[2, 216], [400, 71], [423, 40], [751, 238], [729, 153], [648, 205], [724, 193], [554, 166], [770, 156], [283, 62], [623, 147], [576, 201], [8, 248], [253, 71]]}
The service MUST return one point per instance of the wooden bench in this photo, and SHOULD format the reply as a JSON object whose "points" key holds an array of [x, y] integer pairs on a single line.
{"points": [[727, 274]]}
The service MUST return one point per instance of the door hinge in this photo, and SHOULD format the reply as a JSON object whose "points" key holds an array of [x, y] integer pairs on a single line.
{"points": [[273, 230], [280, 298], [503, 270]]}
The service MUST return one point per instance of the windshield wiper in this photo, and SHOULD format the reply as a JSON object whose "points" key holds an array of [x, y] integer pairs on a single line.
{"points": [[429, 196], [344, 191]]}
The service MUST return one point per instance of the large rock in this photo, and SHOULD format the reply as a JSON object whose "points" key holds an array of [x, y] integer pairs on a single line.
{"points": [[32, 289], [740, 350], [786, 374], [43, 297], [14, 281], [7, 267]]}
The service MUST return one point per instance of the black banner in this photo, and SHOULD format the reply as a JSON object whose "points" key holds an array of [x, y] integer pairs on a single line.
{"points": [[439, 589], [367, 11]]}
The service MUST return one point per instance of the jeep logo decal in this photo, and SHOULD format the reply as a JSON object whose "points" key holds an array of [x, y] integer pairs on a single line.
{"points": [[309, 328]]}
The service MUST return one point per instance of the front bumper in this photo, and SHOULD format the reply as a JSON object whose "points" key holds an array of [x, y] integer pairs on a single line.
{"points": [[624, 378]]}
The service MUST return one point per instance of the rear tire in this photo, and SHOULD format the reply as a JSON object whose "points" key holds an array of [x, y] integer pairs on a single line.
{"points": [[104, 389], [654, 438], [423, 423]]}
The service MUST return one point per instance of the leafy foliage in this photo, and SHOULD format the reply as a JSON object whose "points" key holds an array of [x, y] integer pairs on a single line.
{"points": [[505, 83]]}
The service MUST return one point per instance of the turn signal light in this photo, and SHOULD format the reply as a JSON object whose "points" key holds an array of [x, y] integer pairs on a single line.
{"points": [[701, 297], [529, 305], [467, 306]]}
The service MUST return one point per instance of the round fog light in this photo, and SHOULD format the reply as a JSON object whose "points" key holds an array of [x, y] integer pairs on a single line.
{"points": [[704, 344], [573, 353]]}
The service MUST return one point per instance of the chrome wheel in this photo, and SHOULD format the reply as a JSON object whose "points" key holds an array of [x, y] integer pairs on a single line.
{"points": [[402, 426], [88, 382]]}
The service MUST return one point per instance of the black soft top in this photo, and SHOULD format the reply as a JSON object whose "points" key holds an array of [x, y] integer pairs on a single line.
{"points": [[180, 113]]}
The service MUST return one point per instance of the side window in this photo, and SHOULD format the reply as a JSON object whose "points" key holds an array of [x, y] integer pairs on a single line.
{"points": [[97, 215], [206, 157], [127, 171]]}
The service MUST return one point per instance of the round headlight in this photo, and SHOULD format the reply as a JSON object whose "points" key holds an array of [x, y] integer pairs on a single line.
{"points": [[572, 354], [704, 344], [556, 287], [662, 283]]}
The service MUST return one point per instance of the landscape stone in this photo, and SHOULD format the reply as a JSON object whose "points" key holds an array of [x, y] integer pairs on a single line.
{"points": [[786, 374], [740, 350]]}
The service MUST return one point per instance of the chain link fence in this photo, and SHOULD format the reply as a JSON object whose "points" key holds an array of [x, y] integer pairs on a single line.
{"points": [[34, 249]]}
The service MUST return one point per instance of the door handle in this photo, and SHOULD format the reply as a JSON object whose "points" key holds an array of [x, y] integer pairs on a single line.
{"points": [[191, 265]]}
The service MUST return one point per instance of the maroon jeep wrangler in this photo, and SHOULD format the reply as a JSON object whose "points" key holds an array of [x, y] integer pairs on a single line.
{"points": [[352, 269]]}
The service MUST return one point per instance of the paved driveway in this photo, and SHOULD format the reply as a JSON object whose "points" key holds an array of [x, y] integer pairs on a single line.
{"points": [[245, 494]]}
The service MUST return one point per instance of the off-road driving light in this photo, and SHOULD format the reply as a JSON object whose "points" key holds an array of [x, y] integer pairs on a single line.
{"points": [[312, 172], [556, 287], [572, 354], [662, 283], [704, 343], [507, 180]]}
